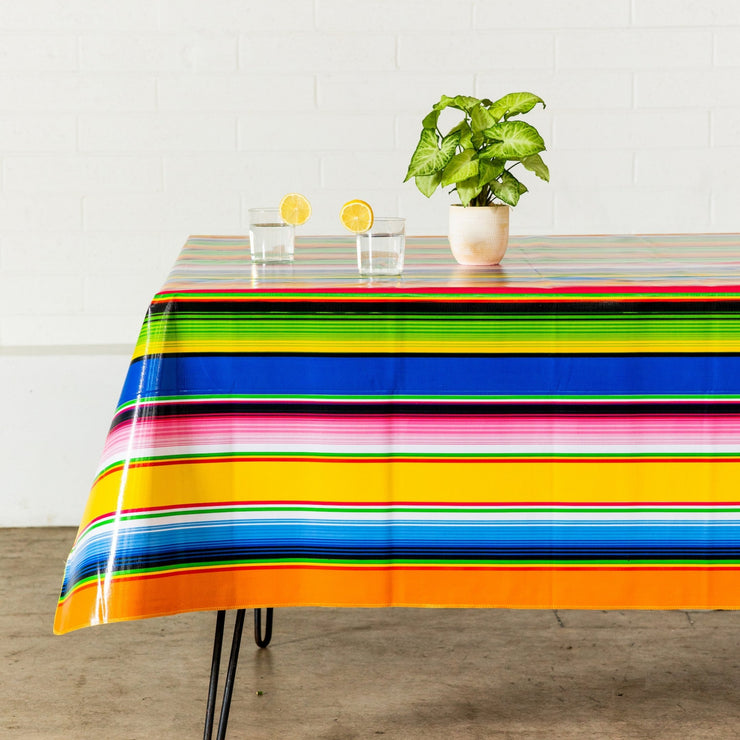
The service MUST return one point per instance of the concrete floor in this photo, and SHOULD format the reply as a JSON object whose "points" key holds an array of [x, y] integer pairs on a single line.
{"points": [[338, 674]]}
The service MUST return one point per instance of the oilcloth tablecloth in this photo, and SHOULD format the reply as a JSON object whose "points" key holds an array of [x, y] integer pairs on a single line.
{"points": [[562, 431]]}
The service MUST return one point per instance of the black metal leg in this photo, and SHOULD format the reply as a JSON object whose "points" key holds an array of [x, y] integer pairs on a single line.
{"points": [[262, 642], [230, 675], [215, 664]]}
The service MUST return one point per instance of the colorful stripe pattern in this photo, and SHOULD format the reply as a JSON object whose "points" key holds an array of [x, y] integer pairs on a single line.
{"points": [[562, 431]]}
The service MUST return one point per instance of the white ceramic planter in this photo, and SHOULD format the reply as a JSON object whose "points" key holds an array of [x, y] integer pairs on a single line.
{"points": [[479, 235]]}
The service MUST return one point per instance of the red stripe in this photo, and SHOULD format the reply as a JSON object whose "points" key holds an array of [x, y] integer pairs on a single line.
{"points": [[700, 292], [436, 504]]}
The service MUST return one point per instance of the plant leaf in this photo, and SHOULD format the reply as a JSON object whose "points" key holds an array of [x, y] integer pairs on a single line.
{"points": [[468, 189], [508, 190], [430, 120], [513, 104], [489, 170], [466, 103], [427, 184], [465, 132], [512, 140], [461, 102], [444, 102], [429, 155], [535, 164], [461, 167], [505, 193], [450, 142], [481, 119]]}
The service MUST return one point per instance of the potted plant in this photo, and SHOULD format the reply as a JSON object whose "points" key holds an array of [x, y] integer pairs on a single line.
{"points": [[476, 158]]}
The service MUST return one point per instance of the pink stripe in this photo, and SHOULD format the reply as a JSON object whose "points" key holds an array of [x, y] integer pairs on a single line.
{"points": [[242, 430]]}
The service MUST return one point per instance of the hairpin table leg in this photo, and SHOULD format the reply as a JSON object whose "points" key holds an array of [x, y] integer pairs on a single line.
{"points": [[213, 685], [262, 642], [230, 675]]}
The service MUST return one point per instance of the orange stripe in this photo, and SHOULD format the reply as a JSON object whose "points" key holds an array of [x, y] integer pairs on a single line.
{"points": [[536, 588]]}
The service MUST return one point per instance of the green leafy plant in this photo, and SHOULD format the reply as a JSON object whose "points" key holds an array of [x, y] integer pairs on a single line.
{"points": [[477, 155]]}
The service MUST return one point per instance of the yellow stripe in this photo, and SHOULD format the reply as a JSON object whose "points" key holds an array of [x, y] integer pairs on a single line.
{"points": [[497, 346], [432, 482]]}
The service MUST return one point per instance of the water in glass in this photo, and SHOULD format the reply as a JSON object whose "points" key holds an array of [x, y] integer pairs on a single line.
{"points": [[271, 242], [380, 254]]}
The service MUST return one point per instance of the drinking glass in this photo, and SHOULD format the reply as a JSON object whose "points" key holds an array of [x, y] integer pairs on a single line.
{"points": [[380, 249], [270, 238]]}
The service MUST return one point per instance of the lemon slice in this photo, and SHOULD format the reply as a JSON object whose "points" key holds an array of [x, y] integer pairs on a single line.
{"points": [[295, 209], [356, 215]]}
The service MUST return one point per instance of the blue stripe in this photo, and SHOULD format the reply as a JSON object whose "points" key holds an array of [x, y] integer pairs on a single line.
{"points": [[234, 540], [442, 375], [400, 533]]}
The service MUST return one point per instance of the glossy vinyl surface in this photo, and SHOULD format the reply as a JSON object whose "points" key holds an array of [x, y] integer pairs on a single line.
{"points": [[559, 431]]}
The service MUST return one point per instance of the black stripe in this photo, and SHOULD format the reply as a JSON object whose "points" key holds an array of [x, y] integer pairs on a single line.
{"points": [[435, 408], [490, 306], [615, 555]]}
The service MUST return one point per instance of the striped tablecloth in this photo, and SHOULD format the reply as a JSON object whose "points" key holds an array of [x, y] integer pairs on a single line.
{"points": [[562, 431]]}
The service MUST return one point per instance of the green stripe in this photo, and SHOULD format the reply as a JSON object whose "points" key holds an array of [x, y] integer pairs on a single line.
{"points": [[404, 330]]}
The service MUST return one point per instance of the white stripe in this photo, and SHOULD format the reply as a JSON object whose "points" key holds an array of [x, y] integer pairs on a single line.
{"points": [[463, 518], [254, 448]]}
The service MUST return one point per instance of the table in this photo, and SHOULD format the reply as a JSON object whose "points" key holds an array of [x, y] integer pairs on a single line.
{"points": [[562, 431]]}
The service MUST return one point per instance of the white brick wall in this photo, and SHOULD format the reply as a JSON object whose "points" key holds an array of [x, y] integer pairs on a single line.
{"points": [[124, 126]]}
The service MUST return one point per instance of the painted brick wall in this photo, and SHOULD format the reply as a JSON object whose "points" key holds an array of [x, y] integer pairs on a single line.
{"points": [[125, 126]]}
